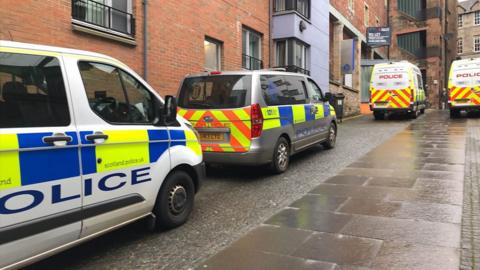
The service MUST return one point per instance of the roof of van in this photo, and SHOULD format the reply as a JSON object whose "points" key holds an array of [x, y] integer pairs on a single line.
{"points": [[35, 47], [246, 72], [466, 61], [396, 64]]}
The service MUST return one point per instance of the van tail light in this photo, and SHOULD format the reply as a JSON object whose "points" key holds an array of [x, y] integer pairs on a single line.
{"points": [[257, 120], [412, 98]]}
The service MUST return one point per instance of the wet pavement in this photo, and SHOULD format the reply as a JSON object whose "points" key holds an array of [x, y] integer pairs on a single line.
{"points": [[232, 201], [397, 207]]}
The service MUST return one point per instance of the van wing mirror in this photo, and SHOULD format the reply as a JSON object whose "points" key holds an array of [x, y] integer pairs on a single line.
{"points": [[327, 97], [170, 110]]}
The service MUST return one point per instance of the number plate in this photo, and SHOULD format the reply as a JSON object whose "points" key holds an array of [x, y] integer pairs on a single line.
{"points": [[211, 136]]}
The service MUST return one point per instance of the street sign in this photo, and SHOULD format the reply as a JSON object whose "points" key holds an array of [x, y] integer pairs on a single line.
{"points": [[379, 36]]}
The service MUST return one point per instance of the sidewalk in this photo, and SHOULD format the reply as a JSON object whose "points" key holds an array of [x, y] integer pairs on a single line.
{"points": [[398, 207]]}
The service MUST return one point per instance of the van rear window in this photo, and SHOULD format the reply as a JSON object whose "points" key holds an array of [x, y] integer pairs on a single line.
{"points": [[216, 92]]}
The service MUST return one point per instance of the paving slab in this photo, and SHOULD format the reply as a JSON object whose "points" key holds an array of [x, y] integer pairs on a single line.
{"points": [[397, 207]]}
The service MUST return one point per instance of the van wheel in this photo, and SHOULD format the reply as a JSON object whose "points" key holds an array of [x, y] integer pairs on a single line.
{"points": [[332, 137], [174, 201], [281, 156], [378, 115]]}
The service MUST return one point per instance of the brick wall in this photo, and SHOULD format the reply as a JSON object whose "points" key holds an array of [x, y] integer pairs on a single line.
{"points": [[356, 17], [176, 33]]}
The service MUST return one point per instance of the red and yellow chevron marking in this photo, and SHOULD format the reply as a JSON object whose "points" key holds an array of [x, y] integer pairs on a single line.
{"points": [[399, 98], [465, 96], [237, 121]]}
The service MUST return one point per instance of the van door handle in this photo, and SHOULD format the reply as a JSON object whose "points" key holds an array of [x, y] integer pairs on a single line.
{"points": [[98, 136], [56, 138]]}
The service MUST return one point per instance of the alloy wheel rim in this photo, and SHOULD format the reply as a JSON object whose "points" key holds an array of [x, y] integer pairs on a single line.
{"points": [[177, 200], [282, 156]]}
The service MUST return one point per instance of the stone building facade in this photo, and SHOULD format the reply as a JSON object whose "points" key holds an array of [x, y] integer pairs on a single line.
{"points": [[424, 33], [468, 40], [348, 22], [181, 37]]}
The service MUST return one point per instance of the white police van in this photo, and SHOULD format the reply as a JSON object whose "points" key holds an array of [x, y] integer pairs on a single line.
{"points": [[86, 146]]}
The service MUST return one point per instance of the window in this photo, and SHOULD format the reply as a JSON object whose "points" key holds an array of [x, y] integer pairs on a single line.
{"points": [[476, 43], [420, 81], [32, 92], [116, 96], [414, 43], [251, 50], [366, 16], [460, 46], [292, 54], [283, 90], [216, 92], [113, 15], [315, 92], [300, 6], [460, 20], [377, 21], [413, 8], [477, 17], [213, 54], [351, 5], [300, 55]]}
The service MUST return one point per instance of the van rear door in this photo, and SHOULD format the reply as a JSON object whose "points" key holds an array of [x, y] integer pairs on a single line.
{"points": [[391, 88], [465, 84], [218, 107]]}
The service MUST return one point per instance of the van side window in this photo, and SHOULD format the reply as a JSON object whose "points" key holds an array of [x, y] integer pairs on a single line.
{"points": [[283, 90], [420, 81], [32, 92], [115, 96], [316, 96]]}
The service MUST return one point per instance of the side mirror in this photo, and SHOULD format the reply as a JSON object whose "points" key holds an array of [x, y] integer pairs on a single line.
{"points": [[170, 110], [327, 97]]}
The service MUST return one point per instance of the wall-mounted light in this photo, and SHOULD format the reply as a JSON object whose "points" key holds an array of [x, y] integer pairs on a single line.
{"points": [[302, 26]]}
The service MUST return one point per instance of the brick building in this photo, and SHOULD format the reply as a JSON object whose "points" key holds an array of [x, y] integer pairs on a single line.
{"points": [[182, 36], [468, 40], [348, 21], [424, 33]]}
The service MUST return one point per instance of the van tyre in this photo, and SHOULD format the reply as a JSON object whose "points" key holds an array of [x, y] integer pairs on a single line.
{"points": [[281, 156], [378, 115], [174, 201], [413, 114], [332, 137]]}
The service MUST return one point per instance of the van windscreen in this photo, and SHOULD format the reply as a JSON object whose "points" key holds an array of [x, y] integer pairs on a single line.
{"points": [[215, 92]]}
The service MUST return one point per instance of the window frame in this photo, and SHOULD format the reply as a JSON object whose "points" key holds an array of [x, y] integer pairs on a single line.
{"points": [[108, 16], [290, 53], [66, 88], [476, 43], [476, 18], [154, 100], [460, 46], [351, 6], [218, 53], [293, 8], [249, 32], [366, 14]]}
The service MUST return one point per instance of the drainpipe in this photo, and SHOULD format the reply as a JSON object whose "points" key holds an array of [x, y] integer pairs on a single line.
{"points": [[270, 26], [145, 40], [391, 29]]}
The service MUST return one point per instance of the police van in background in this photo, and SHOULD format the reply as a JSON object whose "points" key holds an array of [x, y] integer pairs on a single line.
{"points": [[397, 87], [257, 117], [464, 86], [86, 146]]}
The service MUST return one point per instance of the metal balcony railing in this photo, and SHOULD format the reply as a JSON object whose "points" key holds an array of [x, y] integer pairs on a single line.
{"points": [[104, 16], [296, 69], [251, 63]]}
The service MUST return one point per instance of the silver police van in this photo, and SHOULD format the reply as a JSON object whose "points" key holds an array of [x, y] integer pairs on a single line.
{"points": [[257, 117]]}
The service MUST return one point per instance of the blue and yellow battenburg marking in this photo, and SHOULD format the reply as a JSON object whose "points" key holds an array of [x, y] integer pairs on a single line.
{"points": [[25, 159], [280, 116]]}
